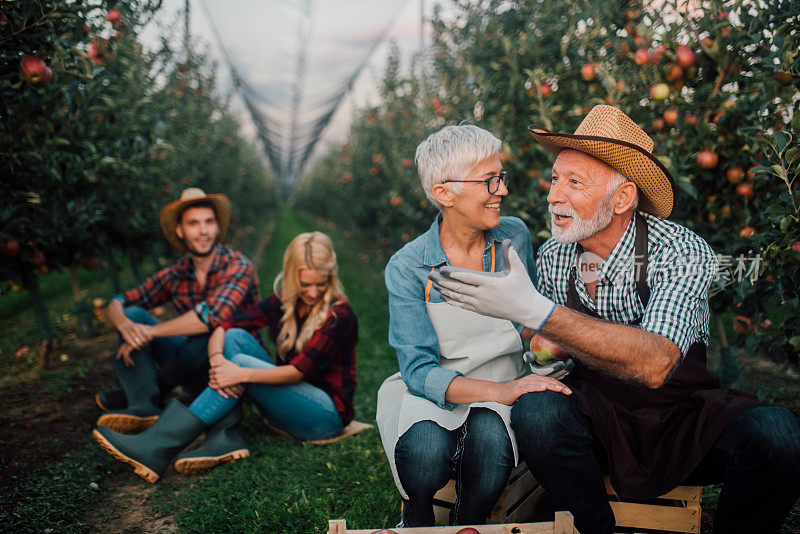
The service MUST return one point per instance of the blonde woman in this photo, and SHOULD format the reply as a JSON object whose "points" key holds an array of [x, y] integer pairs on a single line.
{"points": [[307, 392]]}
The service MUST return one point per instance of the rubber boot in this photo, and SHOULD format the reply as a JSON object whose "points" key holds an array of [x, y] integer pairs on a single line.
{"points": [[111, 399], [151, 451], [223, 444], [140, 384]]}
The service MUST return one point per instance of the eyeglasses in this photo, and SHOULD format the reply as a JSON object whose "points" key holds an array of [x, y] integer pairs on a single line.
{"points": [[492, 182]]}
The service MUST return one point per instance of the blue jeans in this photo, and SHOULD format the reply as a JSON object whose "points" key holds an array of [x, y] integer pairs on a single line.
{"points": [[478, 455], [191, 352], [302, 410], [757, 458]]}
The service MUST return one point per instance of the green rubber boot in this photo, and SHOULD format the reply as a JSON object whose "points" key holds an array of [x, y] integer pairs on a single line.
{"points": [[223, 444], [141, 388], [151, 451], [111, 399]]}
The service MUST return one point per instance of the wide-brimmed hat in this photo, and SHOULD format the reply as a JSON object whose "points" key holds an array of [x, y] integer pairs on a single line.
{"points": [[193, 195], [611, 136]]}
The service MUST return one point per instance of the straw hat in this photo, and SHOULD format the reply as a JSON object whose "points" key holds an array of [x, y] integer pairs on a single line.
{"points": [[193, 195], [611, 136]]}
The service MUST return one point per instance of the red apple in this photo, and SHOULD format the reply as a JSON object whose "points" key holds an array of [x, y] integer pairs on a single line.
{"points": [[658, 123], [38, 258], [638, 40], [658, 53], [641, 57], [113, 16], [735, 174], [685, 56], [707, 159], [707, 42], [406, 162], [745, 190], [546, 351], [675, 73], [783, 78], [659, 91], [747, 232], [587, 72], [545, 90], [9, 248], [670, 116], [796, 246], [741, 324], [468, 530], [35, 71], [690, 119]]}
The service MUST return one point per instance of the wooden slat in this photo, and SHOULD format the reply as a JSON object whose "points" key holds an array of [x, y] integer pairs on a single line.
{"points": [[563, 523], [656, 517], [681, 493], [519, 489], [447, 493], [337, 526], [524, 509]]}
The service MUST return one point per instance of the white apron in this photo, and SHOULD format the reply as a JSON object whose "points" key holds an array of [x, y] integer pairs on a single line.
{"points": [[477, 346]]}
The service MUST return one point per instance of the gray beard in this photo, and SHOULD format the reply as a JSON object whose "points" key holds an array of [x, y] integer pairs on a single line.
{"points": [[581, 229]]}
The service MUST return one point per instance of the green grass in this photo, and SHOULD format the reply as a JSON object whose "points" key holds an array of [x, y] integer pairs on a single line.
{"points": [[286, 485]]}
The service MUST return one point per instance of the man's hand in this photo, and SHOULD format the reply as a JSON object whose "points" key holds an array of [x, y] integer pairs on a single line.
{"points": [[124, 352], [226, 377], [509, 294], [508, 392], [136, 335]]}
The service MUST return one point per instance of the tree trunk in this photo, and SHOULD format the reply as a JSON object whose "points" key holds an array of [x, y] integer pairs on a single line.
{"points": [[136, 267], [113, 272], [31, 283], [82, 309]]}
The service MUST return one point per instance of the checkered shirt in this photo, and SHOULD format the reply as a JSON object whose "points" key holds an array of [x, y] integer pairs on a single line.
{"points": [[681, 267]]}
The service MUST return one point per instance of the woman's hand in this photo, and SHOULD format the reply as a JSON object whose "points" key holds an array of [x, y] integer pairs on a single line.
{"points": [[226, 377], [508, 392]]}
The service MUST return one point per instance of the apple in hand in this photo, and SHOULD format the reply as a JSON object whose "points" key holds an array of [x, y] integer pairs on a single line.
{"points": [[546, 351]]}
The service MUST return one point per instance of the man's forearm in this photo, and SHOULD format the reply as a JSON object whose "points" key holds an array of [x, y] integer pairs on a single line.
{"points": [[188, 324], [624, 351]]}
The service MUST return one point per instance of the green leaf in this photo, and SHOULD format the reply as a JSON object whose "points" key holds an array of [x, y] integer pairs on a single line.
{"points": [[781, 140], [685, 183]]}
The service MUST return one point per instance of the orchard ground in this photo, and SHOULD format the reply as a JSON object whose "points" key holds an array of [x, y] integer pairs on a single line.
{"points": [[58, 480]]}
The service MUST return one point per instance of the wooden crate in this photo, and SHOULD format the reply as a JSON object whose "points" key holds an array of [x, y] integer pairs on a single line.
{"points": [[563, 524], [676, 511], [516, 504]]}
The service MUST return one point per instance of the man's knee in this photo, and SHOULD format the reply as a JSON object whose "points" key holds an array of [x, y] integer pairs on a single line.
{"points": [[139, 315], [543, 413], [774, 433]]}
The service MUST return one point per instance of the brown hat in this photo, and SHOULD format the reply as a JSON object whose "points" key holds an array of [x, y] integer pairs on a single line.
{"points": [[193, 195], [611, 136]]}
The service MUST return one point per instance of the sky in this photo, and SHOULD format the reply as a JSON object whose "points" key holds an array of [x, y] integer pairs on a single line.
{"points": [[262, 37]]}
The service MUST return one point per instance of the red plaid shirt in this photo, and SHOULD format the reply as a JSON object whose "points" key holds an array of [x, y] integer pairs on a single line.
{"points": [[328, 361], [231, 286]]}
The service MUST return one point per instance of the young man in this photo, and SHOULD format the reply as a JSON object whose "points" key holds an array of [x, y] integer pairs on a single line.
{"points": [[626, 293], [206, 288]]}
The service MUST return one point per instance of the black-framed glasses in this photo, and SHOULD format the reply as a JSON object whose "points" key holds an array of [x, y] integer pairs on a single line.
{"points": [[492, 182]]}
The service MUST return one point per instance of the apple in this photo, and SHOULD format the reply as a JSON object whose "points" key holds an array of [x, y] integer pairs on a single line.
{"points": [[38, 259], [685, 56], [545, 90], [90, 263], [658, 53], [783, 78], [113, 16], [587, 71], [396, 201], [9, 248], [707, 42], [35, 71], [658, 124], [675, 73], [735, 174], [406, 162], [741, 324], [659, 91], [468, 530], [707, 159], [546, 351], [641, 57], [98, 302], [745, 190], [725, 210], [85, 30], [690, 119], [796, 246], [748, 232], [670, 116]]}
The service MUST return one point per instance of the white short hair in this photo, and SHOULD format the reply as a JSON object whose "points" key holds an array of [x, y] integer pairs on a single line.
{"points": [[451, 154], [616, 180]]}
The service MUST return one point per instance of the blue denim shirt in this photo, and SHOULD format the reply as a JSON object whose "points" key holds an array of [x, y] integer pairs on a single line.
{"points": [[411, 332]]}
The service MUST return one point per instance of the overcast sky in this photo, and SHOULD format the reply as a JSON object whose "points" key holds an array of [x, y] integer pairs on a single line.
{"points": [[262, 37]]}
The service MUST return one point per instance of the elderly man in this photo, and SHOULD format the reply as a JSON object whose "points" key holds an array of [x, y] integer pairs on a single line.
{"points": [[625, 292], [206, 288]]}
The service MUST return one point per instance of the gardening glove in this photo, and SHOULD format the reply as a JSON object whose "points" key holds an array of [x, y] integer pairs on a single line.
{"points": [[509, 294], [557, 369]]}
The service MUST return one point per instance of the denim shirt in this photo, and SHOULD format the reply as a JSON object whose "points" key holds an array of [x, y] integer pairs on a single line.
{"points": [[411, 332]]}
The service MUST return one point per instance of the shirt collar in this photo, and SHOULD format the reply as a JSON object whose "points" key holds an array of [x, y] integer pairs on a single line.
{"points": [[434, 253], [187, 265]]}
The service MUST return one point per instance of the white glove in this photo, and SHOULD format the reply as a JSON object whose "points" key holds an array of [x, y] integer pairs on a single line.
{"points": [[557, 369], [509, 294]]}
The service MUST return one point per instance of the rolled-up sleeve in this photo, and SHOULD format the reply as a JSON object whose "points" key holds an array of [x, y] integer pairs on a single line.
{"points": [[222, 303], [413, 337]]}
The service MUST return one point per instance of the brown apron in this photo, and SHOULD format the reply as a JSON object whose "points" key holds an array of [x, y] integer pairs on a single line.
{"points": [[654, 438]]}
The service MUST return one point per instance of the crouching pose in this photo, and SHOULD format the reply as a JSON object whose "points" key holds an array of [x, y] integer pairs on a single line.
{"points": [[446, 414], [308, 394]]}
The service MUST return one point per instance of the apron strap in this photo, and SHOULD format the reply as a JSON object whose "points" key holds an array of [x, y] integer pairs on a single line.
{"points": [[430, 282]]}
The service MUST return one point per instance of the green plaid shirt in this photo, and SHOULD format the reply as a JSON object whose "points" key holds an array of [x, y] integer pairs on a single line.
{"points": [[681, 267]]}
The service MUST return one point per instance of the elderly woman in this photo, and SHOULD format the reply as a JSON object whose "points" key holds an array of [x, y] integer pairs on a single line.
{"points": [[446, 414]]}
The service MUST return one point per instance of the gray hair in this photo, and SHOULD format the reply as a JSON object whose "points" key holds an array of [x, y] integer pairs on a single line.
{"points": [[616, 180], [450, 154]]}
